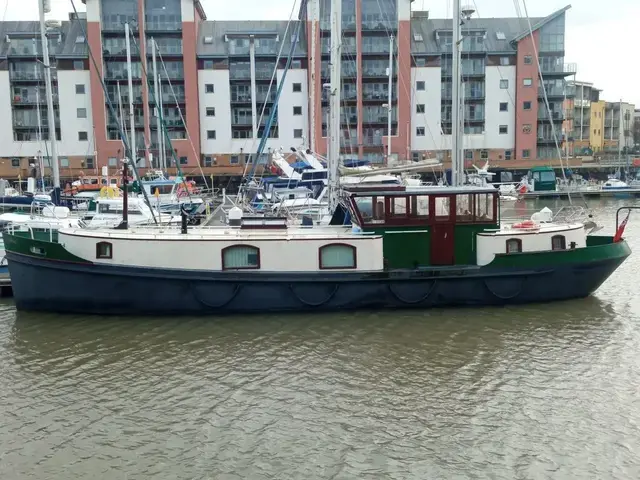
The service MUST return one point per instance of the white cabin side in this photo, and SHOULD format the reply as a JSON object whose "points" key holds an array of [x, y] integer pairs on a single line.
{"points": [[489, 244], [274, 251]]}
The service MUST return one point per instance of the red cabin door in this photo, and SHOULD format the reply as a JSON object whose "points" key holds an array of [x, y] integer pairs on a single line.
{"points": [[442, 230]]}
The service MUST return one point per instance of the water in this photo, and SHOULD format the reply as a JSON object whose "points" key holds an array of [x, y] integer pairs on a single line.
{"points": [[535, 392]]}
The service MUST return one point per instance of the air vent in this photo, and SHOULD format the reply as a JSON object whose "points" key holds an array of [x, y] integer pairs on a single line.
{"points": [[417, 37], [501, 36], [208, 40]]}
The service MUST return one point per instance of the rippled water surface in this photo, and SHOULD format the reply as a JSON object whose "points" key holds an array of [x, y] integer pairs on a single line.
{"points": [[545, 391]]}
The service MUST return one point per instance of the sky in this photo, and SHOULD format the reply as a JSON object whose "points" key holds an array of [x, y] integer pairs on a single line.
{"points": [[601, 37]]}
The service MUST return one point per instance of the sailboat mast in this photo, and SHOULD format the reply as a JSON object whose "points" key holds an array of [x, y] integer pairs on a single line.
{"points": [[50, 113], [156, 95], [39, 116], [163, 150], [390, 98], [455, 96], [132, 138], [333, 129]]}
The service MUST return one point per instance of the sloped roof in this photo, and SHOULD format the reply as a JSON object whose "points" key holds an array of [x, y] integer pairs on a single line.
{"points": [[217, 30], [535, 25], [67, 47]]}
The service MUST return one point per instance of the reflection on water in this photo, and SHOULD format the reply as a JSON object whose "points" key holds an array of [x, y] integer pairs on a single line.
{"points": [[541, 391]]}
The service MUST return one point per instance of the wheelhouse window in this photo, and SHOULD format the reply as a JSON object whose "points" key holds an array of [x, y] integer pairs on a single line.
{"points": [[442, 208], [104, 250], [558, 242], [464, 208], [514, 245], [337, 256], [485, 210], [240, 257]]}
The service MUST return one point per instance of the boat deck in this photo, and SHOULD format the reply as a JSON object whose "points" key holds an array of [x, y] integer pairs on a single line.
{"points": [[633, 192]]}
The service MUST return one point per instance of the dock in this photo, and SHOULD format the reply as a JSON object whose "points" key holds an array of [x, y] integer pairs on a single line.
{"points": [[619, 192], [5, 286]]}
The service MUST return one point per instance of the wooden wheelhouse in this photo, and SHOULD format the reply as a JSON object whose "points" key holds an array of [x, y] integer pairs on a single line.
{"points": [[425, 226]]}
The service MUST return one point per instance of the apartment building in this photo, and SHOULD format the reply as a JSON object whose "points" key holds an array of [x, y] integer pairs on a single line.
{"points": [[218, 83]]}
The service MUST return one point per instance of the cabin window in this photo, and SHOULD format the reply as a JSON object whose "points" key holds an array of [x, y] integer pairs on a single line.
{"points": [[104, 250], [420, 206], [372, 209], [240, 257], [464, 208], [337, 256], [441, 208], [38, 251], [558, 242], [514, 245], [485, 211], [397, 207]]}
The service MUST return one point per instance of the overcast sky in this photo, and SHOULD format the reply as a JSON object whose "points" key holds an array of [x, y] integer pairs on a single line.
{"points": [[602, 37]]}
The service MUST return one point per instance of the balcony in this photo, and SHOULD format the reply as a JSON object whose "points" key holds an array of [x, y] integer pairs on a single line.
{"points": [[32, 123], [545, 116], [379, 96], [551, 92], [558, 69], [30, 76], [582, 103], [163, 26], [376, 141], [548, 138], [242, 121], [32, 99], [379, 25]]}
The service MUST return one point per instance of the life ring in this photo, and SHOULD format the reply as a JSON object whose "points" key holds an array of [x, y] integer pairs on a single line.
{"points": [[523, 189], [526, 225]]}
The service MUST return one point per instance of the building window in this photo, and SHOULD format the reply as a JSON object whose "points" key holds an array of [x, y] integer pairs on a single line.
{"points": [[113, 162], [420, 131], [526, 128], [468, 154], [81, 112], [90, 163], [207, 65], [337, 256], [80, 89], [78, 65], [514, 245], [526, 153], [208, 88], [183, 160], [83, 136], [297, 133], [527, 82], [507, 154], [297, 87], [420, 108], [526, 105], [297, 110], [64, 162], [208, 162], [504, 84], [504, 61], [420, 85], [240, 257], [15, 162], [104, 250], [484, 154], [558, 242], [211, 134], [234, 160], [528, 59], [211, 111], [503, 129], [504, 107]]}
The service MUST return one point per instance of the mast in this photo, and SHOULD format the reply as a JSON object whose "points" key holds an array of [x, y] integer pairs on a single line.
{"points": [[312, 84], [333, 129], [163, 151], [155, 89], [132, 138], [40, 157], [120, 112], [455, 96], [55, 197], [390, 98]]}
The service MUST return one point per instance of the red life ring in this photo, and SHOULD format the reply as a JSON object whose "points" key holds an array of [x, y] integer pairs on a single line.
{"points": [[523, 189]]}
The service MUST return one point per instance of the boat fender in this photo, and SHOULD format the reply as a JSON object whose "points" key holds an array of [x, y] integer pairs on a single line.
{"points": [[526, 225]]}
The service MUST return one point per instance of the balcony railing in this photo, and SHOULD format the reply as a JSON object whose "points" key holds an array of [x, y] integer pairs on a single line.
{"points": [[545, 115], [380, 96], [552, 92], [32, 99], [163, 25], [559, 69], [242, 121], [372, 141]]}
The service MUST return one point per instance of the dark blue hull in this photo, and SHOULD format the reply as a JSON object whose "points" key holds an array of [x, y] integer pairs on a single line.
{"points": [[54, 286]]}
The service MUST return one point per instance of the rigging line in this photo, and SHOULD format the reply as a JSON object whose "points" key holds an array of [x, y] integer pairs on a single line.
{"points": [[143, 61], [193, 148], [412, 92], [546, 98], [112, 110], [266, 132]]}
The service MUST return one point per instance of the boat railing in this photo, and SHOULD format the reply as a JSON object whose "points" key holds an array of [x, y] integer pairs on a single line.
{"points": [[13, 228]]}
